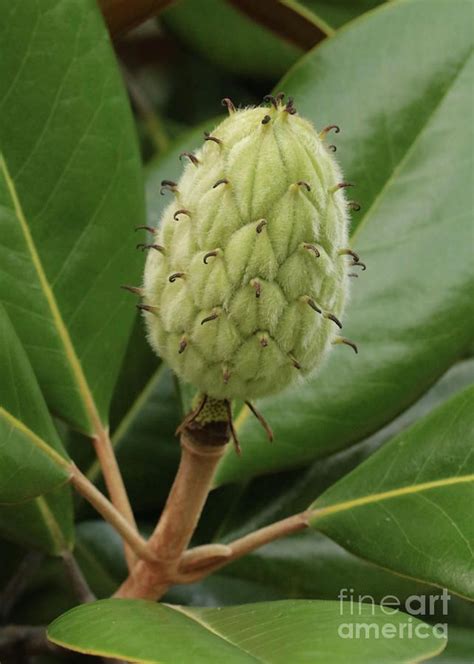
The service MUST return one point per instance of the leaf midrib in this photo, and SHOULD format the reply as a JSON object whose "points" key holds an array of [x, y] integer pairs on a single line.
{"points": [[375, 498], [63, 334], [51, 524], [209, 628], [35, 439]]}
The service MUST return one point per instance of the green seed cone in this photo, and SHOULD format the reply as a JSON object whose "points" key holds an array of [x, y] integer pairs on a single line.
{"points": [[254, 257]]}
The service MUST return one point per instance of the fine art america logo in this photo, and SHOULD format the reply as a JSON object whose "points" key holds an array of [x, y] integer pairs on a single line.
{"points": [[361, 607]]}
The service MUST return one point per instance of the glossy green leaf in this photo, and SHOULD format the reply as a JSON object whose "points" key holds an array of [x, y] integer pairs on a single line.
{"points": [[276, 632], [406, 507], [32, 459], [398, 96], [70, 195], [229, 39]]}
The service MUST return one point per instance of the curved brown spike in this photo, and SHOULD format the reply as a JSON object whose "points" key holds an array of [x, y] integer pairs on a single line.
{"points": [[192, 158], [358, 264], [258, 287], [349, 252], [262, 420], [313, 248], [208, 137], [271, 99], [341, 185], [226, 375], [221, 181], [347, 342], [168, 185], [353, 205], [266, 119], [233, 433], [289, 108], [209, 254], [332, 148], [260, 225], [190, 417], [182, 211], [332, 317], [228, 103], [134, 289], [182, 345], [209, 318], [294, 361], [147, 307], [313, 305], [280, 97], [150, 229], [176, 275], [303, 183], [157, 247], [327, 129]]}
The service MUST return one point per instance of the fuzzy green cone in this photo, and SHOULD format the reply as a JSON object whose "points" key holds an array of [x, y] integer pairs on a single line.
{"points": [[249, 279]]}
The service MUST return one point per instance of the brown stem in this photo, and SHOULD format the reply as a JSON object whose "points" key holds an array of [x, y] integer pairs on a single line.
{"points": [[114, 483], [76, 577], [110, 514], [145, 109], [199, 459], [240, 547], [292, 23], [123, 15], [18, 583], [26, 640], [203, 556], [20, 642]]}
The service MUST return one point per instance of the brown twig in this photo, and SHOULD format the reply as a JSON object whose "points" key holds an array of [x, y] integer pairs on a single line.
{"points": [[76, 577], [18, 583], [242, 546], [24, 640], [114, 483], [293, 24], [203, 556], [202, 445], [145, 109], [110, 514]]}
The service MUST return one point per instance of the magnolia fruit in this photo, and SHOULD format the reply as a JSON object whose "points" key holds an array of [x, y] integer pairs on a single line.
{"points": [[247, 277]]}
